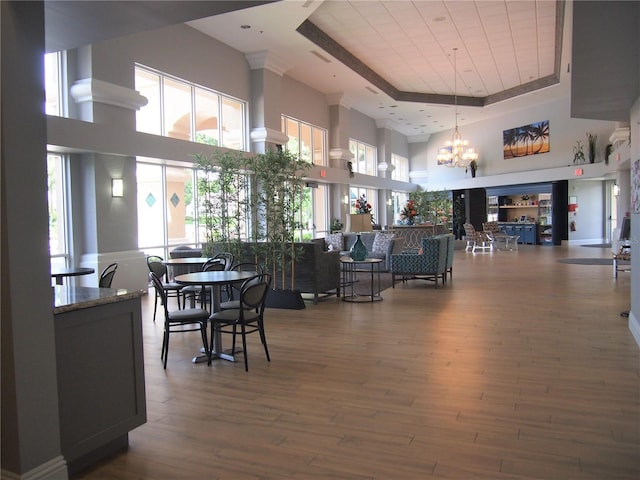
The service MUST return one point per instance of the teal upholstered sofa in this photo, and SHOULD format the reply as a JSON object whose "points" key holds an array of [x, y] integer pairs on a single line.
{"points": [[379, 244]]}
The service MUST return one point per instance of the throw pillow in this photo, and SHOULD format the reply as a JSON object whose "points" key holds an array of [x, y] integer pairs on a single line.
{"points": [[334, 241], [381, 242]]}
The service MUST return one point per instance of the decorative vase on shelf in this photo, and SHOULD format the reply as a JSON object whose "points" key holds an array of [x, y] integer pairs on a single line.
{"points": [[358, 251]]}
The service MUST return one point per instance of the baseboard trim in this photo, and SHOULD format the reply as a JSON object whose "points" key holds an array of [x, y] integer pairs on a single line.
{"points": [[634, 326], [54, 469]]}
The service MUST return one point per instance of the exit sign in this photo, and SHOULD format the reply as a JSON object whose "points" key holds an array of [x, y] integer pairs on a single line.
{"points": [[578, 172]]}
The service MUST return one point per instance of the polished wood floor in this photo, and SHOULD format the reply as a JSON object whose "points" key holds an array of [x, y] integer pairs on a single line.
{"points": [[520, 368]]}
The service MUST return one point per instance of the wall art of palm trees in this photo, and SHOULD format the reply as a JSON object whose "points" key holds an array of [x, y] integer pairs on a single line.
{"points": [[526, 140]]}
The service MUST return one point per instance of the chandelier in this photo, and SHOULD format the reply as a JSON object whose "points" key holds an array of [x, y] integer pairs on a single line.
{"points": [[456, 152]]}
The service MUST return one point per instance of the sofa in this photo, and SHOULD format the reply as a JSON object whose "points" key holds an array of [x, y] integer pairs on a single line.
{"points": [[315, 271], [379, 244]]}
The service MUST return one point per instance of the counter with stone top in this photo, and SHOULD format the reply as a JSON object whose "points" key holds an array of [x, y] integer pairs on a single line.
{"points": [[100, 365]]}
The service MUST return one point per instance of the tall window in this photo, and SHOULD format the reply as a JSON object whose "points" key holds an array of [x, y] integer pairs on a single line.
{"points": [[314, 214], [370, 195], [307, 141], [58, 210], [365, 158], [398, 201], [401, 168], [168, 213], [53, 82], [179, 109]]}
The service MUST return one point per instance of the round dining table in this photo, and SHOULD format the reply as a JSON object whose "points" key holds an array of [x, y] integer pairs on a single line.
{"points": [[60, 273], [215, 279]]}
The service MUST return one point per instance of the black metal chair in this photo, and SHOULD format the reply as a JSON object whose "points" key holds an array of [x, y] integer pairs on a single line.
{"points": [[106, 277], [233, 291], [249, 319], [170, 289], [195, 291], [180, 321]]}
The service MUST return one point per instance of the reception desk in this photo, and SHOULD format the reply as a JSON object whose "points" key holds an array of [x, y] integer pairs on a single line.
{"points": [[413, 234], [100, 365]]}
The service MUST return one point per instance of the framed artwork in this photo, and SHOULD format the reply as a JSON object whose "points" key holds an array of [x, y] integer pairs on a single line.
{"points": [[526, 140], [635, 186]]}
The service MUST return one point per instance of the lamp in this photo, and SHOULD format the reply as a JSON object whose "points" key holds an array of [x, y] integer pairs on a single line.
{"points": [[360, 222], [117, 187], [456, 152], [345, 200]]}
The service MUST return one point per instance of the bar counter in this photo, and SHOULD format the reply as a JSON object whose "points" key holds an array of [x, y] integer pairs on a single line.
{"points": [[68, 299], [100, 368]]}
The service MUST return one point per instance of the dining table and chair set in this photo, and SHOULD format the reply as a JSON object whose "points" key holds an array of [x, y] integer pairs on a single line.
{"points": [[245, 287]]}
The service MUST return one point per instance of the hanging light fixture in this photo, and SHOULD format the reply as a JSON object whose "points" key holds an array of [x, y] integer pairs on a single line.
{"points": [[456, 152]]}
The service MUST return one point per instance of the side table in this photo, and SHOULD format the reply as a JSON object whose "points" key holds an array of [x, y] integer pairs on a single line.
{"points": [[350, 269]]}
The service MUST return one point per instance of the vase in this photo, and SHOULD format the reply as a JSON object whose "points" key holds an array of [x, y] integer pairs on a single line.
{"points": [[358, 251]]}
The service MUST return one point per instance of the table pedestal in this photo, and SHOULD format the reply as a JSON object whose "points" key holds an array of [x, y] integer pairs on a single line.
{"points": [[350, 269]]}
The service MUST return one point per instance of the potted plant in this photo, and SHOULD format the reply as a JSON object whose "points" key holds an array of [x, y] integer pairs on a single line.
{"points": [[591, 141], [578, 153], [473, 166], [276, 202], [223, 187], [336, 225]]}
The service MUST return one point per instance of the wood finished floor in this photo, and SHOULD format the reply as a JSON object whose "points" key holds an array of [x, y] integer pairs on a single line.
{"points": [[520, 368]]}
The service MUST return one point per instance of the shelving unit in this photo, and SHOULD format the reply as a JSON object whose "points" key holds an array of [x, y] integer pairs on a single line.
{"points": [[535, 208], [545, 221]]}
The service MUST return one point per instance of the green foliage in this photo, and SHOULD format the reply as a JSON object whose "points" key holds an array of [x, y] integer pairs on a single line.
{"points": [[277, 200], [435, 207], [223, 187]]}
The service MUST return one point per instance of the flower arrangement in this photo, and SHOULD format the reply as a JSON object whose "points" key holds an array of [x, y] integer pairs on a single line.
{"points": [[362, 206], [409, 212]]}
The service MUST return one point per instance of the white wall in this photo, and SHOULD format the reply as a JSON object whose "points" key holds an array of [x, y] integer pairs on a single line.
{"points": [[589, 217], [486, 137]]}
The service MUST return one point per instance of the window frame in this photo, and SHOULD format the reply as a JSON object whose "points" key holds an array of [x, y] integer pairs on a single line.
{"points": [[194, 88]]}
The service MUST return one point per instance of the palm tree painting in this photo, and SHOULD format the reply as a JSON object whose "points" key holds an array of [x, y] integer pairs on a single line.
{"points": [[526, 140]]}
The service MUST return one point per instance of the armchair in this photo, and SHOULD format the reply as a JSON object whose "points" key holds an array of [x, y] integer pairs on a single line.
{"points": [[429, 263]]}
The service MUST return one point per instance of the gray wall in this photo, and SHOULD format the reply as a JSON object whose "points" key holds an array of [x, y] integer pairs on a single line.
{"points": [[29, 414]]}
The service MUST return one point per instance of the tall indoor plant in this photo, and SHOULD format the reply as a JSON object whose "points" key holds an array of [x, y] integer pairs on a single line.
{"points": [[276, 200], [223, 185]]}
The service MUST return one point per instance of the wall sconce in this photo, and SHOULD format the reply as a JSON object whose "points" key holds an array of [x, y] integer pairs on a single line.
{"points": [[389, 201], [345, 200], [616, 190], [117, 187]]}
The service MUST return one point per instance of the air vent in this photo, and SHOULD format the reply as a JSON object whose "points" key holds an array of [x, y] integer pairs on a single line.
{"points": [[372, 91], [320, 56]]}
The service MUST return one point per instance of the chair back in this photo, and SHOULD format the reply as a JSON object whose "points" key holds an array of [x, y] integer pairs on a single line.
{"points": [[214, 264], [254, 290], [227, 257], [157, 284], [157, 267], [469, 230], [491, 227], [106, 277]]}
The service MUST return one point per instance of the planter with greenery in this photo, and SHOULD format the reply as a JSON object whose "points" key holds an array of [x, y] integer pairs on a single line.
{"points": [[223, 187], [276, 200]]}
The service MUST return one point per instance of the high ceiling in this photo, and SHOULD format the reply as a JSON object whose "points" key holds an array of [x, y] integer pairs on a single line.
{"points": [[391, 60], [394, 61]]}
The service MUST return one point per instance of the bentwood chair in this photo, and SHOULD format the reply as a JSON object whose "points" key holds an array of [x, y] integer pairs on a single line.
{"points": [[180, 321], [195, 291], [233, 293], [248, 319], [106, 277], [170, 289]]}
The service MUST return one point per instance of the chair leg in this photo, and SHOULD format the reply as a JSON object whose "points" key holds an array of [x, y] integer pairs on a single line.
{"points": [[166, 348], [263, 337], [205, 343], [155, 307], [244, 347]]}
